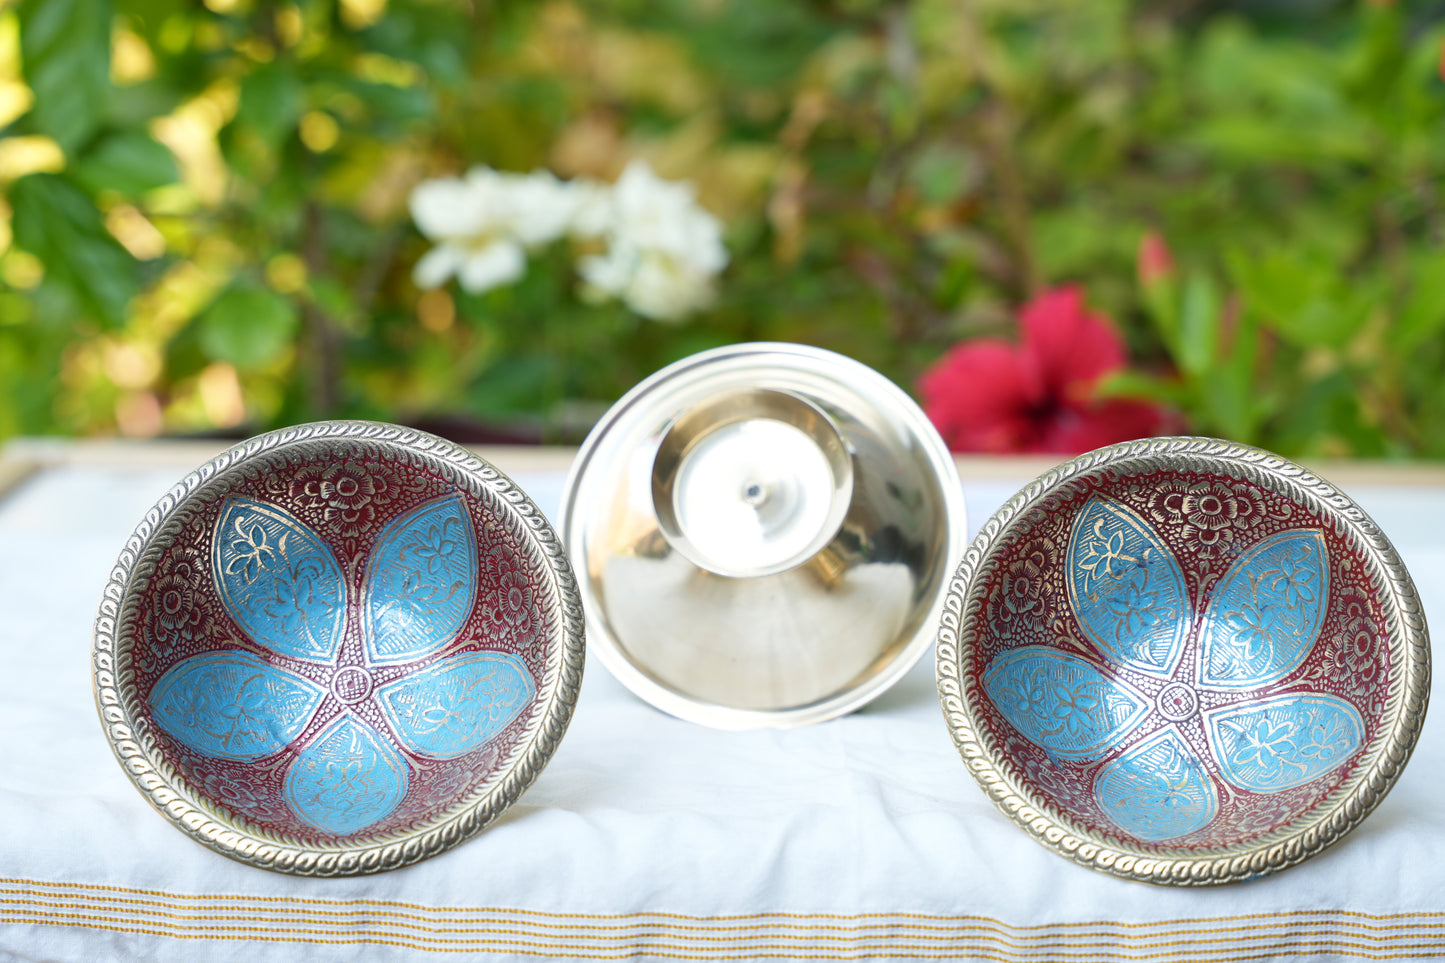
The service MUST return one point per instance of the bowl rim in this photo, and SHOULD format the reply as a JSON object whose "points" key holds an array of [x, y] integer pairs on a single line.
{"points": [[133, 740], [1307, 835]]}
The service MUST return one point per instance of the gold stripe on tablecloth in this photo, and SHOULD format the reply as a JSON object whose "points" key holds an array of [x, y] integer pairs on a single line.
{"points": [[781, 935]]}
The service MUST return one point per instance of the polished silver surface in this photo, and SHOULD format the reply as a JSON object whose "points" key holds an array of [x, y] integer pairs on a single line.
{"points": [[762, 535], [752, 483]]}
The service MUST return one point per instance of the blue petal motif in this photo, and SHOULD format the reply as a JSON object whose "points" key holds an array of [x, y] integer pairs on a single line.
{"points": [[1267, 612], [1285, 742], [278, 580], [1157, 790], [347, 780], [1061, 702], [1126, 588], [456, 705], [420, 582], [231, 705]]}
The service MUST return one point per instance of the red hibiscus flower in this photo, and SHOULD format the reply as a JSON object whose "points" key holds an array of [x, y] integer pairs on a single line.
{"points": [[1037, 396]]}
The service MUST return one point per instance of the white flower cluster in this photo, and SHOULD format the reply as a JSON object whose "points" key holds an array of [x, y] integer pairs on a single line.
{"points": [[660, 249]]}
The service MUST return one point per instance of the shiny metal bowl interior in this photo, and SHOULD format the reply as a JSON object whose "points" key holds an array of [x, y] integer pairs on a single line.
{"points": [[752, 483], [1183, 661], [762, 535], [338, 648]]}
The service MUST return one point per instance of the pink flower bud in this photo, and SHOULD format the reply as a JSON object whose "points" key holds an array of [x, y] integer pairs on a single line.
{"points": [[1155, 263]]}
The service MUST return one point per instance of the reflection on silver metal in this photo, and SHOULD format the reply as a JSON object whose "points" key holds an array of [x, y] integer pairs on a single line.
{"points": [[752, 483], [763, 534]]}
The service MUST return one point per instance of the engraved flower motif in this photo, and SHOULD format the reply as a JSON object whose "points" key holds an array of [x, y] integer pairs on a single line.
{"points": [[1074, 708], [1263, 743], [1021, 599], [251, 551], [350, 495], [349, 486], [1103, 556], [1248, 634], [1254, 627], [177, 617], [1294, 579], [1136, 609], [511, 592], [1210, 515], [301, 488], [1022, 595], [285, 589], [434, 548], [1166, 791], [514, 598], [232, 794]]}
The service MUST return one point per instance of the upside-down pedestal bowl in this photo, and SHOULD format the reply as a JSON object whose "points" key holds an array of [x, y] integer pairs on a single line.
{"points": [[1183, 661], [338, 648]]}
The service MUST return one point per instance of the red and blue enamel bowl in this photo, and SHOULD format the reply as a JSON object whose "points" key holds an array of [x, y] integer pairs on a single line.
{"points": [[338, 648], [1183, 661]]}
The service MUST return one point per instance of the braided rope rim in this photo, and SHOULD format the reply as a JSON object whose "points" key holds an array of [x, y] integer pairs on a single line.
{"points": [[1331, 818], [135, 744]]}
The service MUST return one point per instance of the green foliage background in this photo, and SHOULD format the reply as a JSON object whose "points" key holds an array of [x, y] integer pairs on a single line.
{"points": [[204, 222]]}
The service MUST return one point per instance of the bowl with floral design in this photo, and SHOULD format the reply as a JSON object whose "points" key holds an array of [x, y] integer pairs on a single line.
{"points": [[1183, 661], [338, 648]]}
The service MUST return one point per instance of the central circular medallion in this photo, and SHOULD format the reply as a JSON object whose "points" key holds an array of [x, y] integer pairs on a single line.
{"points": [[351, 684], [1177, 701]]}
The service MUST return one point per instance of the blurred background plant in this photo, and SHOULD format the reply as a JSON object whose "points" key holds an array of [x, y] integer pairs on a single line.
{"points": [[206, 227]]}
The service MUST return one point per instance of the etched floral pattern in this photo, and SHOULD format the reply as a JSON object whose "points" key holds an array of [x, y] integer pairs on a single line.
{"points": [[511, 593], [1223, 725], [284, 586], [1210, 516], [177, 617]]}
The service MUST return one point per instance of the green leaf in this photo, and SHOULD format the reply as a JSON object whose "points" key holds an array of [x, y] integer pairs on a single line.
{"points": [[1233, 403], [1423, 314], [515, 385], [1198, 335], [65, 52], [131, 162], [1304, 299], [434, 36], [55, 221], [1261, 137], [248, 326], [1137, 385], [272, 99], [393, 104]]}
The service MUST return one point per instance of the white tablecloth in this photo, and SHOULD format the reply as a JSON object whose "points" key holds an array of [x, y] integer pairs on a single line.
{"points": [[646, 836]]}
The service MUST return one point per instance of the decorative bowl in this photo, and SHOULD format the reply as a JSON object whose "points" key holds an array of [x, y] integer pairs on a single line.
{"points": [[1183, 661], [338, 648], [763, 534]]}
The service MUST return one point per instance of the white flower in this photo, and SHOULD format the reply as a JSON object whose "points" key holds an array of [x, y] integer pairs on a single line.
{"points": [[663, 248], [465, 217], [591, 209], [539, 207], [484, 222]]}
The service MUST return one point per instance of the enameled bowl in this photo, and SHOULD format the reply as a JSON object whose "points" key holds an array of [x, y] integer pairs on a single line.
{"points": [[338, 648], [1183, 661]]}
